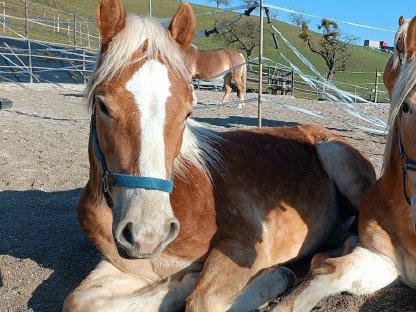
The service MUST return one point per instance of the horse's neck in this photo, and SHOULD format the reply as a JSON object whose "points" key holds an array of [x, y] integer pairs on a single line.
{"points": [[392, 188]]}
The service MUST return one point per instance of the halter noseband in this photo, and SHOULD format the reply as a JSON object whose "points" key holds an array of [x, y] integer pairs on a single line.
{"points": [[123, 180], [409, 164]]}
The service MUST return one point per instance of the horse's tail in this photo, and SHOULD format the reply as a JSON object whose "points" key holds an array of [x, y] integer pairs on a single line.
{"points": [[244, 74]]}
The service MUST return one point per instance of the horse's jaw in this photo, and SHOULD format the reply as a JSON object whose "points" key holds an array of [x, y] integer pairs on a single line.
{"points": [[413, 204]]}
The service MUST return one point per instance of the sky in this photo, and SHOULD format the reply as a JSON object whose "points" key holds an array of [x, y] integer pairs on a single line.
{"points": [[375, 13]]}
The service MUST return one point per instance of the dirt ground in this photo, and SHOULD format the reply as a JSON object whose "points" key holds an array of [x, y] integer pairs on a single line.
{"points": [[43, 166]]}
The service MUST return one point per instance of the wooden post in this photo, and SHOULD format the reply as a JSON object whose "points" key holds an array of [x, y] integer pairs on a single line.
{"points": [[4, 16], [260, 66], [292, 84], [83, 66], [376, 87], [59, 24], [29, 48], [88, 35], [75, 31]]}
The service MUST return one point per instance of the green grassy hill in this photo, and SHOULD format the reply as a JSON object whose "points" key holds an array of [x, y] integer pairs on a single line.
{"points": [[363, 59]]}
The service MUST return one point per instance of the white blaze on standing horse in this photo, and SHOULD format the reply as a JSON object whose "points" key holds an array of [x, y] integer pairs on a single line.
{"points": [[186, 217], [209, 64], [386, 252]]}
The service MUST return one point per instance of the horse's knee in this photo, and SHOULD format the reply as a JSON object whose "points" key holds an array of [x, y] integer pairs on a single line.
{"points": [[79, 301], [73, 303]]}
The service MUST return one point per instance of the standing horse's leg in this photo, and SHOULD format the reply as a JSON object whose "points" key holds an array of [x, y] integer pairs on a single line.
{"points": [[225, 281], [227, 88], [240, 80], [241, 90], [109, 289], [360, 272]]}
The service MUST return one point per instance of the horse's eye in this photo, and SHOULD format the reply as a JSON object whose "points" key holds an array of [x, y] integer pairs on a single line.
{"points": [[101, 106], [405, 107], [189, 115]]}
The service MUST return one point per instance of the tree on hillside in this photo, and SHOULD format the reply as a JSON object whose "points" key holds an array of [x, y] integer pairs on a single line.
{"points": [[221, 2], [330, 45], [243, 35], [298, 19]]}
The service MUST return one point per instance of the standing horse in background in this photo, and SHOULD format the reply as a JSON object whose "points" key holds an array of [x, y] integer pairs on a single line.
{"points": [[184, 216], [392, 68], [386, 252], [209, 64]]}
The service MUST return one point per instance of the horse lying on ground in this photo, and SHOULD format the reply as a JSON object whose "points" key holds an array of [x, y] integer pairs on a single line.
{"points": [[240, 203], [392, 69], [209, 64], [386, 250]]}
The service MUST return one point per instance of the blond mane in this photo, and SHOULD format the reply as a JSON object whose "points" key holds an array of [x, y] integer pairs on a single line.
{"points": [[406, 81], [137, 32]]}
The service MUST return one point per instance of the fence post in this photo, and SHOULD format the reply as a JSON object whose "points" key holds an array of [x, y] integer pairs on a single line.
{"points": [[259, 101], [59, 24], [292, 77], [4, 16], [376, 87], [29, 48], [75, 31], [83, 66]]}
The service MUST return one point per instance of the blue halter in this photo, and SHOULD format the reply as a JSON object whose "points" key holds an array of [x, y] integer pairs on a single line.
{"points": [[123, 180]]}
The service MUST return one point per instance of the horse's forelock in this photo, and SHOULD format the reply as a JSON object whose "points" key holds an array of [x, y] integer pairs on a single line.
{"points": [[138, 33]]}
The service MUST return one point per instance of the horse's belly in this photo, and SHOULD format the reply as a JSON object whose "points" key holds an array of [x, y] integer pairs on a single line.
{"points": [[295, 232]]}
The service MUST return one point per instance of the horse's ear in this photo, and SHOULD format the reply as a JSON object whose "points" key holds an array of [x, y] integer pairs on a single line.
{"points": [[411, 38], [401, 20], [111, 19], [183, 25]]}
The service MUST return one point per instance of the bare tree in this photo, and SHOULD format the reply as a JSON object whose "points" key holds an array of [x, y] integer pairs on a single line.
{"points": [[330, 45], [221, 2], [298, 19], [243, 35]]}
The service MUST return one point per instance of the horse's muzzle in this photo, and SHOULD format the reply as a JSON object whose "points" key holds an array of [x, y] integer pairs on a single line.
{"points": [[131, 244]]}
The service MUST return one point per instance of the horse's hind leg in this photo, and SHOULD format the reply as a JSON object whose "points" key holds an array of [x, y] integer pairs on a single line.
{"points": [[227, 284], [360, 272], [241, 88], [227, 88], [267, 285], [351, 172]]}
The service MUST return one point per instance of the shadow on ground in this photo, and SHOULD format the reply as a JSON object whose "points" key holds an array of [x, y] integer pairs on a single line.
{"points": [[43, 227], [237, 121]]}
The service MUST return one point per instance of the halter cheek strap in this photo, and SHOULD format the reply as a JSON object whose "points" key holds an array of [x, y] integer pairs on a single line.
{"points": [[123, 180], [409, 164]]}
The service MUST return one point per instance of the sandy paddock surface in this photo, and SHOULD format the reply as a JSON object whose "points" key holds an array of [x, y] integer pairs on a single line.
{"points": [[43, 166]]}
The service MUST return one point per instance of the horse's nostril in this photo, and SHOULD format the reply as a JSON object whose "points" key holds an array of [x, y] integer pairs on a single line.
{"points": [[127, 234], [173, 228]]}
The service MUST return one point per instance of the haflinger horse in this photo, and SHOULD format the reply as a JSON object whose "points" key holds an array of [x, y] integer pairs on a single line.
{"points": [[210, 64], [392, 69], [184, 216], [386, 250]]}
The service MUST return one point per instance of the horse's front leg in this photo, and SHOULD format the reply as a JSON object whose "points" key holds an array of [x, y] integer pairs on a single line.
{"points": [[109, 289], [231, 280]]}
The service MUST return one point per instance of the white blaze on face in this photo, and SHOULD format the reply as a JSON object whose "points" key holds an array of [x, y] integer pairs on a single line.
{"points": [[150, 87]]}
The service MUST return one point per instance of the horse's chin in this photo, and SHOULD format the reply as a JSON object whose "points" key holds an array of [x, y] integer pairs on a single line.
{"points": [[132, 254]]}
